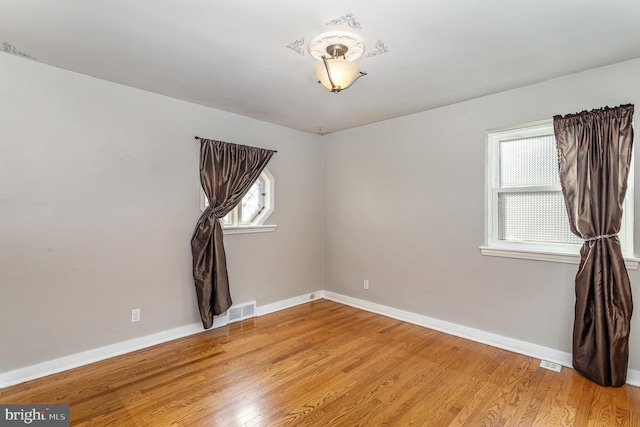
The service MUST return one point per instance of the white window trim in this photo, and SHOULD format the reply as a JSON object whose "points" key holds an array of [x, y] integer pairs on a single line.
{"points": [[563, 253], [551, 256], [259, 227], [245, 229]]}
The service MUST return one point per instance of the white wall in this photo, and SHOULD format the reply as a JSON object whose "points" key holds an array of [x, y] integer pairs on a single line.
{"points": [[99, 196], [404, 208], [98, 200]]}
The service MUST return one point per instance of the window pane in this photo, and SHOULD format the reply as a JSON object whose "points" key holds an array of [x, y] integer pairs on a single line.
{"points": [[252, 203], [529, 162], [534, 217], [226, 220]]}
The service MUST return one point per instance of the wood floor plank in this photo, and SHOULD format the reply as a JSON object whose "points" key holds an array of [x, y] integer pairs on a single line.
{"points": [[633, 394], [623, 410], [327, 364], [518, 389]]}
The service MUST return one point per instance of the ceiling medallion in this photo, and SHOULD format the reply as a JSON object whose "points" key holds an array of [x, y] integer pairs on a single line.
{"points": [[354, 44]]}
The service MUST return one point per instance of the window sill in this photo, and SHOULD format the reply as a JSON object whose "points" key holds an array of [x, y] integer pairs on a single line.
{"points": [[249, 229], [550, 256]]}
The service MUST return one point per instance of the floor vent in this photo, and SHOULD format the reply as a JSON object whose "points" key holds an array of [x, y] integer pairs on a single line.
{"points": [[241, 312], [550, 365]]}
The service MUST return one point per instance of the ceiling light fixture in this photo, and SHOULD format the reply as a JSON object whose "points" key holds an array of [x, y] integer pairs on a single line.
{"points": [[337, 52]]}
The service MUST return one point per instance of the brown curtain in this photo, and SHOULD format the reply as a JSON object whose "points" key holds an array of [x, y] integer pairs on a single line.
{"points": [[227, 171], [594, 155]]}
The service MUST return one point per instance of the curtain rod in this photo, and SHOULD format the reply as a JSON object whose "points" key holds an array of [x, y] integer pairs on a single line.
{"points": [[275, 151]]}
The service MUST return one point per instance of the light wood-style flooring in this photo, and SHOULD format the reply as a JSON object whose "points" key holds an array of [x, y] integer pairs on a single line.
{"points": [[327, 364]]}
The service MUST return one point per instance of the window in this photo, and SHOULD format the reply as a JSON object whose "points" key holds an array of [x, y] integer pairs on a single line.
{"points": [[525, 211], [255, 208]]}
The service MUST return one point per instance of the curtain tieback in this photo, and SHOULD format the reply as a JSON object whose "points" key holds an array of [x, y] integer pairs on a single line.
{"points": [[602, 236]]}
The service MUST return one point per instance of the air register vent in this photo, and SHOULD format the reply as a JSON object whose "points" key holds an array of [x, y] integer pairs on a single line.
{"points": [[241, 312]]}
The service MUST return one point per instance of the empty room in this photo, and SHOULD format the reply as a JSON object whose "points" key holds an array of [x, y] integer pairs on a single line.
{"points": [[350, 213]]}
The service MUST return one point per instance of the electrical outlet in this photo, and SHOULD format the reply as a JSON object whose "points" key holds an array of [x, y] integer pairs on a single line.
{"points": [[135, 315], [366, 284]]}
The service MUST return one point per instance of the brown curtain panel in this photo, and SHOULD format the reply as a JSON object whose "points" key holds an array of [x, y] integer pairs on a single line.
{"points": [[594, 155], [227, 171]]}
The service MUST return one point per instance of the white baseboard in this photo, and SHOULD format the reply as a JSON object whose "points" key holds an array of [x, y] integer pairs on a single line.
{"points": [[84, 358], [633, 377], [288, 303], [79, 359], [49, 367], [494, 340]]}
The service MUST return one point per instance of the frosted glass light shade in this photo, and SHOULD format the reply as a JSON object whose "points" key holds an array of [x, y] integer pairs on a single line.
{"points": [[343, 73]]}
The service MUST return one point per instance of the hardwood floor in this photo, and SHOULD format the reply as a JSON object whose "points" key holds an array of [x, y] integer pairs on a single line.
{"points": [[327, 364]]}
